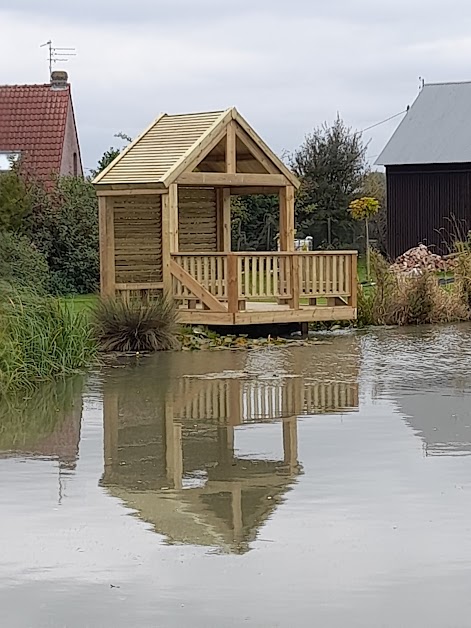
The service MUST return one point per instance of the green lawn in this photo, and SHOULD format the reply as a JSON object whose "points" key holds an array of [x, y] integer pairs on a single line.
{"points": [[80, 303]]}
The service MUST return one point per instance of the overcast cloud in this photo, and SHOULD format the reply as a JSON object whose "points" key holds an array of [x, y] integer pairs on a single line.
{"points": [[287, 66]]}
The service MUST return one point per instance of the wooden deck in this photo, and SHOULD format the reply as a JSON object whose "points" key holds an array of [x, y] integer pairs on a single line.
{"points": [[264, 288]]}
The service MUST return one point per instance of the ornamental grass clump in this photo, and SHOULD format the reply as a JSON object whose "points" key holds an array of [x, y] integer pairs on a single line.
{"points": [[135, 325], [398, 300], [40, 339]]}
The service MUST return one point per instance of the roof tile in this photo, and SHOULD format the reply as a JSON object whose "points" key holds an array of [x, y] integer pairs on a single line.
{"points": [[33, 121]]}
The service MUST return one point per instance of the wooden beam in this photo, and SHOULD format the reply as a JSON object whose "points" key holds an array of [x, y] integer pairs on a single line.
{"points": [[173, 216], [226, 220], [287, 218], [305, 314], [192, 158], [166, 248], [196, 289], [241, 191], [129, 191], [151, 285], [107, 254], [231, 157], [292, 179], [259, 155], [130, 186], [230, 180]]}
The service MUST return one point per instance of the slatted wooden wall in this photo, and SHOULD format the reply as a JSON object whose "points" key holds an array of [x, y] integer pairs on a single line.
{"points": [[138, 238], [197, 222]]}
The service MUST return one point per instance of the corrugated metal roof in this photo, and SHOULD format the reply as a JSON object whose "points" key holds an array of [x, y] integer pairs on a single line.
{"points": [[435, 130], [153, 155]]}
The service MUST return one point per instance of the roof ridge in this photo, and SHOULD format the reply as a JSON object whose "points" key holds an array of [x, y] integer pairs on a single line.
{"points": [[448, 83], [198, 113], [30, 85]]}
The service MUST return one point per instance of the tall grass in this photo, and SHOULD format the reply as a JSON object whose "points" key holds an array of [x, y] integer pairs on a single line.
{"points": [[134, 325], [40, 339], [396, 300]]}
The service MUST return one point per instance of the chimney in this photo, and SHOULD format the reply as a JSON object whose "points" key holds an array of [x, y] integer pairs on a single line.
{"points": [[59, 79]]}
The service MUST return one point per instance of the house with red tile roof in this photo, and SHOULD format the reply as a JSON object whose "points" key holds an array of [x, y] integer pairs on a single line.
{"points": [[37, 126]]}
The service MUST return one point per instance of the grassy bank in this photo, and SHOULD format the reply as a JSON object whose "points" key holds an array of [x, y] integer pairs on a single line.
{"points": [[41, 338]]}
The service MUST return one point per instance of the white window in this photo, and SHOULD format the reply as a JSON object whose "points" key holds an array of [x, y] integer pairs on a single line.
{"points": [[8, 160]]}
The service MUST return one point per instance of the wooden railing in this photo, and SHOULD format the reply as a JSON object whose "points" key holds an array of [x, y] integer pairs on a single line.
{"points": [[293, 278], [240, 401], [208, 269]]}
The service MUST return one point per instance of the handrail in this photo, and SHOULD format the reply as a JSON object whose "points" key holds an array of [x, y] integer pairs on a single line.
{"points": [[292, 278], [272, 253]]}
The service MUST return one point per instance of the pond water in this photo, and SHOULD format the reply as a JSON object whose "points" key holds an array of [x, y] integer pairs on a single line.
{"points": [[327, 485]]}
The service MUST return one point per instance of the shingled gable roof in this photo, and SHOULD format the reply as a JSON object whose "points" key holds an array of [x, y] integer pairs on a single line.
{"points": [[171, 142], [33, 121], [435, 130]]}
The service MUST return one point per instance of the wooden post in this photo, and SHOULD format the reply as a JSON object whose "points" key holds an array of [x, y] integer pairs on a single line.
{"points": [[290, 442], [173, 217], [166, 274], [237, 515], [235, 402], [353, 281], [294, 280], [232, 284], [287, 218], [107, 255], [226, 219], [173, 447], [110, 427], [231, 157], [223, 206]]}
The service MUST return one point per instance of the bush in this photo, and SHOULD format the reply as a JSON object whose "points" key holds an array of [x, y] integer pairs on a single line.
{"points": [[15, 200], [396, 300], [41, 339], [63, 225], [136, 326], [21, 263]]}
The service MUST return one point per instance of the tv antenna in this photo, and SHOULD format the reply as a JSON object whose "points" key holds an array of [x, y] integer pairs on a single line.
{"points": [[58, 54]]}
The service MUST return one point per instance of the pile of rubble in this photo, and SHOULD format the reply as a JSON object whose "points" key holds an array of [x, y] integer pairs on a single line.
{"points": [[419, 259]]}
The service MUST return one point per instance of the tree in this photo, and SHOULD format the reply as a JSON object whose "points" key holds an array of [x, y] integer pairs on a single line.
{"points": [[374, 184], [105, 160], [331, 165], [15, 200], [255, 221], [63, 226], [365, 208], [110, 154]]}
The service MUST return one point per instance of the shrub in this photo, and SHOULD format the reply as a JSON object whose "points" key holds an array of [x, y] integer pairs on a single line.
{"points": [[395, 300], [136, 326], [15, 200], [21, 263], [41, 339], [63, 225]]}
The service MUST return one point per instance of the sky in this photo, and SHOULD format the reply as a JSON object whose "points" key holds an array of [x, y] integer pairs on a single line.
{"points": [[288, 66]]}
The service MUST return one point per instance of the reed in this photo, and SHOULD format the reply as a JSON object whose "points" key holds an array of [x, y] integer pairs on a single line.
{"points": [[40, 339], [396, 300]]}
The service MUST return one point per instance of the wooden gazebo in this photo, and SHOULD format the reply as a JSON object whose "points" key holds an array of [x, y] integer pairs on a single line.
{"points": [[165, 224]]}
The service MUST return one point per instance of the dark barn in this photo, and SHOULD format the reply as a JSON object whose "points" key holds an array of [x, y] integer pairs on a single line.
{"points": [[428, 170]]}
